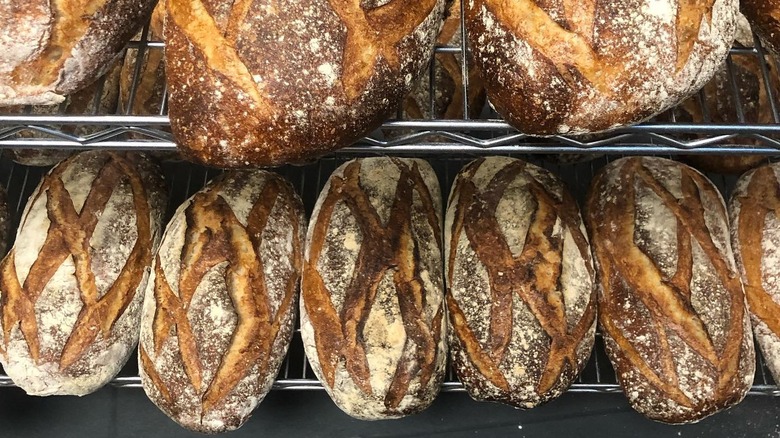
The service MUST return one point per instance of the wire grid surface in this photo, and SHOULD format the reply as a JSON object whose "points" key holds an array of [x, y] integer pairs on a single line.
{"points": [[295, 374], [477, 130]]}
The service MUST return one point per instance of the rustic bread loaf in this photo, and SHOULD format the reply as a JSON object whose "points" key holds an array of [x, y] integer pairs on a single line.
{"points": [[572, 67], [671, 305], [220, 304], [253, 83], [754, 210], [520, 281], [99, 98], [373, 319], [764, 15], [72, 285], [56, 48], [149, 92]]}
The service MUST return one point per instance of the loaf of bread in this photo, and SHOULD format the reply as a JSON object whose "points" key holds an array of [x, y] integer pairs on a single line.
{"points": [[671, 306], [99, 98], [719, 104], [764, 15], [373, 319], [147, 97], [570, 67], [220, 304], [754, 211], [254, 83], [72, 285], [54, 49], [520, 281]]}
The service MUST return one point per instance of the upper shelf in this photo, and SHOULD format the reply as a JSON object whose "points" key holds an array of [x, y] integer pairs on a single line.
{"points": [[477, 131]]}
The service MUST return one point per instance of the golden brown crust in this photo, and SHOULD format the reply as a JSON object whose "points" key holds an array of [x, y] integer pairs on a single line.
{"points": [[95, 340], [250, 86], [565, 67], [541, 353], [66, 45], [754, 210], [671, 305], [238, 229], [396, 275]]}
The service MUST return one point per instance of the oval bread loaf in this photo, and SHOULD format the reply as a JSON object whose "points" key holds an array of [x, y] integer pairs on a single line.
{"points": [[220, 303], [72, 285], [671, 305], [372, 310], [577, 67], [520, 281], [56, 48], [259, 83], [754, 210]]}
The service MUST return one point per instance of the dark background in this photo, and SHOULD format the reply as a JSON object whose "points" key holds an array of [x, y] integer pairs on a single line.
{"points": [[126, 412]]}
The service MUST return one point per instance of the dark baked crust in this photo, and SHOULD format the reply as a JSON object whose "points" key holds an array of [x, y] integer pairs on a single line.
{"points": [[289, 82], [60, 51], [372, 301], [754, 210], [671, 305], [220, 303], [72, 285], [577, 67], [764, 16], [516, 245]]}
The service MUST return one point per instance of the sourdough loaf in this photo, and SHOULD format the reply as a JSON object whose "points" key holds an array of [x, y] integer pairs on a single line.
{"points": [[258, 83], [56, 48], [671, 305], [520, 281], [754, 210], [220, 303], [373, 319], [99, 98], [764, 15], [72, 285], [575, 67]]}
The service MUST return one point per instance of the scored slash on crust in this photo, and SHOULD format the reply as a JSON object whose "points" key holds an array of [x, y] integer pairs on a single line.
{"points": [[365, 43], [533, 275], [756, 204], [570, 45], [69, 236], [668, 301], [385, 247], [215, 235]]}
